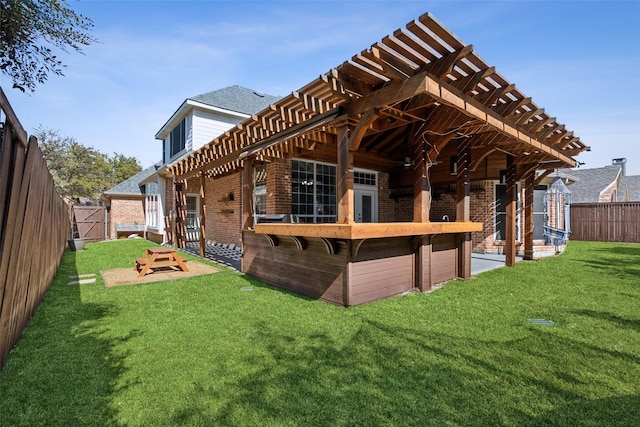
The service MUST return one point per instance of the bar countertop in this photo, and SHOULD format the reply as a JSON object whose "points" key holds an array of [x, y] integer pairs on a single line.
{"points": [[356, 231]]}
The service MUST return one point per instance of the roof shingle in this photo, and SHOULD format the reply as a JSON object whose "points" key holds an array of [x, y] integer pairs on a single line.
{"points": [[131, 186], [237, 98]]}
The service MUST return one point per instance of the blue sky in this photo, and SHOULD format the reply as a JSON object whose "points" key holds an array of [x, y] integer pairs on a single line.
{"points": [[580, 60]]}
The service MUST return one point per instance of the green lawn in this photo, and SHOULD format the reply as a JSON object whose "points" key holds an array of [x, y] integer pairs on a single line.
{"points": [[201, 351]]}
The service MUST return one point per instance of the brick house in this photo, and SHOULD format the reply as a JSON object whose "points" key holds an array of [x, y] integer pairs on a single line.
{"points": [[125, 204], [148, 198], [388, 170]]}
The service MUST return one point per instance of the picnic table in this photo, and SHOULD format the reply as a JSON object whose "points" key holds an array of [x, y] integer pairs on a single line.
{"points": [[161, 257]]}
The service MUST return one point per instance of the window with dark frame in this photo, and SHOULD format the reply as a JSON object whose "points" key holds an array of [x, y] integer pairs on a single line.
{"points": [[177, 138], [259, 190], [313, 192]]}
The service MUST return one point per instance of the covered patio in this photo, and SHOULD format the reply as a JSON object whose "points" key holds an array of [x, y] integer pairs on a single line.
{"points": [[425, 115]]}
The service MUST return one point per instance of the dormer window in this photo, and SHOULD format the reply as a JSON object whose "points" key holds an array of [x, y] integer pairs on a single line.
{"points": [[177, 138]]}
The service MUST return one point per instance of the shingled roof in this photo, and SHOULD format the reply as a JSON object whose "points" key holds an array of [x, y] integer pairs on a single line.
{"points": [[590, 182], [629, 186], [237, 98], [131, 186]]}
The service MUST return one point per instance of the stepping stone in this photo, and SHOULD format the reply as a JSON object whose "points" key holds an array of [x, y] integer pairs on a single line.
{"points": [[82, 281], [81, 276]]}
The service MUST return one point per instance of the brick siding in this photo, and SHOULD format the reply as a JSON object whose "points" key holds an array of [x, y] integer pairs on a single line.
{"points": [[223, 215], [125, 210], [279, 187]]}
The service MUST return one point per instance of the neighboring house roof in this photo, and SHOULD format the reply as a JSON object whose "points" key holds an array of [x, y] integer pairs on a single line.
{"points": [[131, 186], [590, 183], [629, 186], [237, 98], [233, 100]]}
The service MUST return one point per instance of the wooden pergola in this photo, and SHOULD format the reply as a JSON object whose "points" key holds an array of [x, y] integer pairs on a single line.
{"points": [[419, 93]]}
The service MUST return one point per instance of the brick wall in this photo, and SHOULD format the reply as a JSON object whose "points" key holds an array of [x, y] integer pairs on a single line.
{"points": [[279, 186], [444, 205], [482, 210], [403, 209], [386, 205], [223, 215], [125, 210], [609, 194]]}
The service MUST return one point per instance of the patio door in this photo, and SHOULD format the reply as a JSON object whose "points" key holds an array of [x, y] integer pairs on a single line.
{"points": [[500, 223], [365, 205]]}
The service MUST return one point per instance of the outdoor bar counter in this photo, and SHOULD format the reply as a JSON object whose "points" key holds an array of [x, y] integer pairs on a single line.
{"points": [[349, 264]]}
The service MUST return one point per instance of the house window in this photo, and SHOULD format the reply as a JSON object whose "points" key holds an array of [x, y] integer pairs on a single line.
{"points": [[501, 212], [365, 177], [177, 138], [152, 201], [260, 190], [313, 192]]}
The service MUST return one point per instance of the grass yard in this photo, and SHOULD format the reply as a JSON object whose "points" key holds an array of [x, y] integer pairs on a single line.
{"points": [[201, 351]]}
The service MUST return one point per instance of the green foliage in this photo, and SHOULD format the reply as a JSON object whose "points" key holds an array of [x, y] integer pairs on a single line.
{"points": [[200, 351], [29, 29], [80, 171]]}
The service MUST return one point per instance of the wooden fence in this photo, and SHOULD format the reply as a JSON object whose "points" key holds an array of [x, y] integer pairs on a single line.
{"points": [[606, 222], [34, 228]]}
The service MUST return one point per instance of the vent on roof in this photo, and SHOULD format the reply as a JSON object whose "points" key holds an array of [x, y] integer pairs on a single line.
{"points": [[622, 162]]}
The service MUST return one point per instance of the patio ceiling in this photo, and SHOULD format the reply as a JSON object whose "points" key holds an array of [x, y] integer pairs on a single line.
{"points": [[420, 79]]}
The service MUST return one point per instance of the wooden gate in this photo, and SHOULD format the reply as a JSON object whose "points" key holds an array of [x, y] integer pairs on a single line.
{"points": [[89, 222]]}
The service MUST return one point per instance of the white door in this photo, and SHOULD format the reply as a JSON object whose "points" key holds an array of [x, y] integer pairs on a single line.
{"points": [[365, 205]]}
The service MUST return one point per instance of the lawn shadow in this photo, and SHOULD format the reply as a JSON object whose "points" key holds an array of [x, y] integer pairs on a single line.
{"points": [[625, 249], [619, 411], [394, 375], [618, 260], [63, 370], [255, 282], [633, 324]]}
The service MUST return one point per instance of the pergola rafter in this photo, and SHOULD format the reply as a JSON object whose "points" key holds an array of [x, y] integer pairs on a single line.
{"points": [[422, 73]]}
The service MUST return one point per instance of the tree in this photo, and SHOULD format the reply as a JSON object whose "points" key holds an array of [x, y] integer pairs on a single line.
{"points": [[29, 29], [122, 168], [81, 172]]}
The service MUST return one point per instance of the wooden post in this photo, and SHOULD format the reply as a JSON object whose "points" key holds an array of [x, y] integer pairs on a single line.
{"points": [[463, 209], [528, 214], [345, 177], [421, 187], [180, 214], [203, 218], [510, 220], [247, 194], [423, 264]]}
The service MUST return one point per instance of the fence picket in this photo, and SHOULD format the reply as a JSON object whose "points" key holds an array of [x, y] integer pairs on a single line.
{"points": [[34, 226], [606, 222]]}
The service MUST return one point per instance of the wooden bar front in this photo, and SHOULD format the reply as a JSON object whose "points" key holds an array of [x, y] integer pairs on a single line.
{"points": [[350, 264]]}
